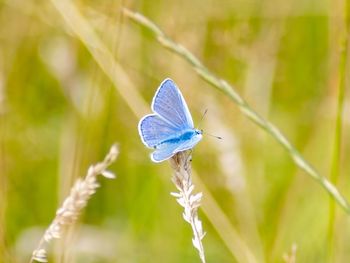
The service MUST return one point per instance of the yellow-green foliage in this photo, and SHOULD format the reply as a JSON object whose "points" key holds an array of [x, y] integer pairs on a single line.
{"points": [[76, 76]]}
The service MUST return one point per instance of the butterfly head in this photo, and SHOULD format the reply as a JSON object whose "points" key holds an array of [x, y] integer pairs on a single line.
{"points": [[198, 132]]}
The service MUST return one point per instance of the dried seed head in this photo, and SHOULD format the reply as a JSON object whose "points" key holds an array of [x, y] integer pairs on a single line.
{"points": [[72, 206]]}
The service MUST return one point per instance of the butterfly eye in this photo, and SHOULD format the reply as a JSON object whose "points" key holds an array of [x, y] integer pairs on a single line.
{"points": [[199, 132]]}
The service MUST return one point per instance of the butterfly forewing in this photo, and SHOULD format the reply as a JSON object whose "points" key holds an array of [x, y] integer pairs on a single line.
{"points": [[169, 103], [154, 130]]}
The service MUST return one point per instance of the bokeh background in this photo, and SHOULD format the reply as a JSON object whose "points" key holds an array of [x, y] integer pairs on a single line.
{"points": [[62, 105]]}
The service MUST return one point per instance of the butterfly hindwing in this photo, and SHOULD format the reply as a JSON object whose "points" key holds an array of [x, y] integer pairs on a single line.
{"points": [[169, 103], [154, 129], [165, 152]]}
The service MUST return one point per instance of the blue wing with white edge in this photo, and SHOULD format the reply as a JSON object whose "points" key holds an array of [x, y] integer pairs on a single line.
{"points": [[163, 153], [168, 149], [169, 103], [154, 130]]}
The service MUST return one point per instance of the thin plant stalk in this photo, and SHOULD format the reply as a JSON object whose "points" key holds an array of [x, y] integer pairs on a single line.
{"points": [[335, 165], [72, 206], [101, 54], [182, 178], [243, 106]]}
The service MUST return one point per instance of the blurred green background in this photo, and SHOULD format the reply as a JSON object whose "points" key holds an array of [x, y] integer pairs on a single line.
{"points": [[61, 108]]}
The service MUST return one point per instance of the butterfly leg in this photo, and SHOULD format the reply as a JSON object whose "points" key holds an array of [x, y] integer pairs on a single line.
{"points": [[188, 159]]}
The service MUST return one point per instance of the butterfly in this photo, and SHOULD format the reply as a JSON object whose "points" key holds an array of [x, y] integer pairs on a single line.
{"points": [[169, 129]]}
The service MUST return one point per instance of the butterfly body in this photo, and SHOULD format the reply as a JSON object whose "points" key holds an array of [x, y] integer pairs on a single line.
{"points": [[185, 136], [170, 129]]}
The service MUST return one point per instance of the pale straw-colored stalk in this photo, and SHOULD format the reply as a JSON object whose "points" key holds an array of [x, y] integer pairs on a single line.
{"points": [[182, 178], [72, 206]]}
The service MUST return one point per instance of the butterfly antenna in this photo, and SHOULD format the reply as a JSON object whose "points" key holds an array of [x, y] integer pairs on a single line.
{"points": [[202, 118], [201, 121], [217, 137]]}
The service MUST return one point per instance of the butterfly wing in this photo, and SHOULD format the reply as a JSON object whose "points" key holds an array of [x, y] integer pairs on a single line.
{"points": [[167, 150], [153, 130], [169, 103]]}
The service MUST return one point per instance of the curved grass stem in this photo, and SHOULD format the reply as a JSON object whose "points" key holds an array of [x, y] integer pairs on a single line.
{"points": [[243, 106]]}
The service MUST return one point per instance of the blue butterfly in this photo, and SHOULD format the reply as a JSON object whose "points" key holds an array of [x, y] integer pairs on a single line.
{"points": [[169, 129]]}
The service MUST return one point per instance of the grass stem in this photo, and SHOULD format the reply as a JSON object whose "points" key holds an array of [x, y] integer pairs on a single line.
{"points": [[243, 106]]}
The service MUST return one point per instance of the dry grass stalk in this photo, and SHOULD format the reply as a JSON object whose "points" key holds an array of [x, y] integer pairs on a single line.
{"points": [[72, 206], [292, 256], [181, 163]]}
